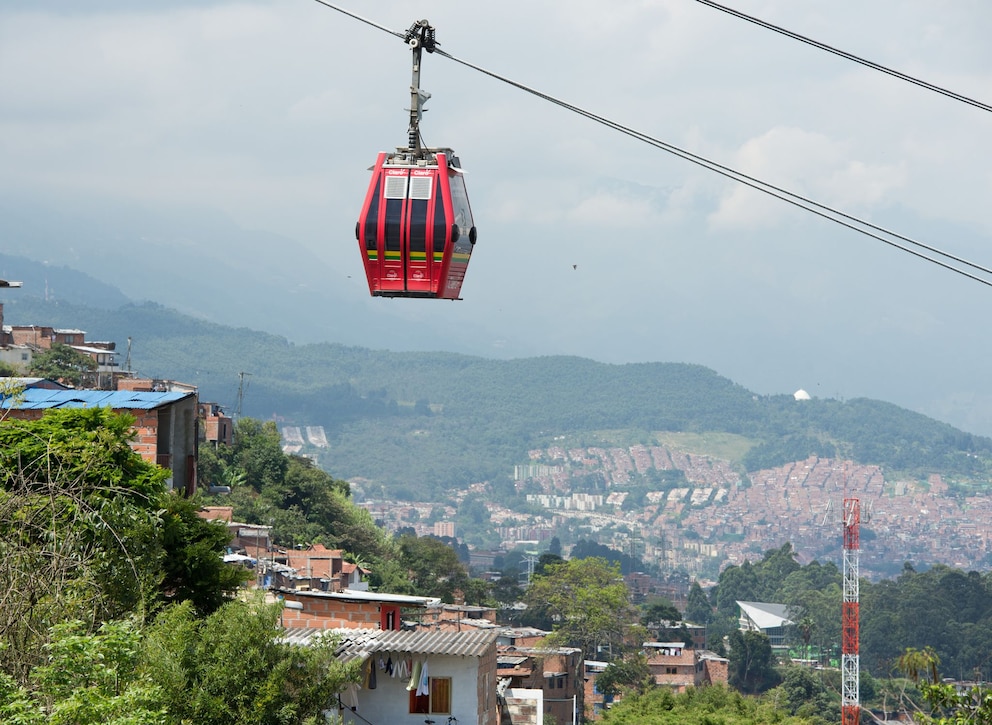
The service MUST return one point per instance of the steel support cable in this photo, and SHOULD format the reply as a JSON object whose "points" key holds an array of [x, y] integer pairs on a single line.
{"points": [[848, 56], [401, 36], [806, 204]]}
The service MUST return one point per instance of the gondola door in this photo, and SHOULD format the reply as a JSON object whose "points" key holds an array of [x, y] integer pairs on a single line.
{"points": [[402, 243]]}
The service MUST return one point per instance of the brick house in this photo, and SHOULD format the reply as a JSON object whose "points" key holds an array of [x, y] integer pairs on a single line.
{"points": [[595, 701], [315, 568], [557, 672], [217, 427], [350, 609], [165, 423], [19, 344], [678, 667]]}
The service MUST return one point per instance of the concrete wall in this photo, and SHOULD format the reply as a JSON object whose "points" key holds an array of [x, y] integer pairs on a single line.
{"points": [[388, 703], [522, 706]]}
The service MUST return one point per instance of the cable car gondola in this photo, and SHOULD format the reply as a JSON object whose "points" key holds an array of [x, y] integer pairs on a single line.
{"points": [[416, 230]]}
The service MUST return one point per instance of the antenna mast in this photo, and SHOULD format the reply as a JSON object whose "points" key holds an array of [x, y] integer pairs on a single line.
{"points": [[241, 394], [850, 664]]}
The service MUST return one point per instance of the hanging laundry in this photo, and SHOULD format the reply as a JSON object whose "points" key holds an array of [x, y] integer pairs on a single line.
{"points": [[349, 698], [423, 688], [414, 677]]}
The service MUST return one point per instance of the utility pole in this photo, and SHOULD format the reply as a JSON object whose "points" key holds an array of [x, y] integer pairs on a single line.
{"points": [[241, 393]]}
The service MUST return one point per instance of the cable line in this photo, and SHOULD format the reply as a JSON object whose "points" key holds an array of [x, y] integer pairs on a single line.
{"points": [[849, 56], [798, 200], [822, 210]]}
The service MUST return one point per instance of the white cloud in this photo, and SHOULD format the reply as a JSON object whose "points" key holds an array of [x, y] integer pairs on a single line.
{"points": [[809, 165]]}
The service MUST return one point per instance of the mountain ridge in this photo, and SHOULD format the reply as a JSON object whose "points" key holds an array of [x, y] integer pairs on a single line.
{"points": [[433, 421]]}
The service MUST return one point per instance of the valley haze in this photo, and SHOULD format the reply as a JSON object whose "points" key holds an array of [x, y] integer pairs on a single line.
{"points": [[212, 157]]}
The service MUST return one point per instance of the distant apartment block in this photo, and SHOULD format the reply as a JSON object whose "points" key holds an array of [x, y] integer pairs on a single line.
{"points": [[444, 529]]}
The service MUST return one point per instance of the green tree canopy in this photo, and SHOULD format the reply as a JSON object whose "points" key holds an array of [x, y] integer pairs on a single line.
{"points": [[232, 668], [589, 605], [713, 705], [751, 662], [61, 362], [88, 531]]}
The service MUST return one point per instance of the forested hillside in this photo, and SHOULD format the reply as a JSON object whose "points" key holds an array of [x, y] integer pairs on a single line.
{"points": [[427, 422]]}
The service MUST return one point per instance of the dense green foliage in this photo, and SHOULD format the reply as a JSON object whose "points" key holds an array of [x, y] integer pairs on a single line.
{"points": [[88, 531], [116, 602], [227, 668], [61, 362], [944, 609], [705, 706], [586, 605], [418, 424], [232, 668], [305, 505]]}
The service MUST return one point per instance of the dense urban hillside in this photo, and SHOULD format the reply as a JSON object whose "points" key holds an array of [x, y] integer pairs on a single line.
{"points": [[421, 423]]}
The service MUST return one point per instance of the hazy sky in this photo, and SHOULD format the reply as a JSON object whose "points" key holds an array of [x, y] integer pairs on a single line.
{"points": [[591, 243]]}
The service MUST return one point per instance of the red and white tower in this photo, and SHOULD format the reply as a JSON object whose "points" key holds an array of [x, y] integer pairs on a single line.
{"points": [[850, 667]]}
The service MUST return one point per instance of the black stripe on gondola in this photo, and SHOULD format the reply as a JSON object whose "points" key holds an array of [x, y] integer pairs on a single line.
{"points": [[372, 219], [440, 224]]}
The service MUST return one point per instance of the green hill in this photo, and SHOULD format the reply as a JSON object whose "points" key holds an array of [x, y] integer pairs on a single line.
{"points": [[417, 424]]}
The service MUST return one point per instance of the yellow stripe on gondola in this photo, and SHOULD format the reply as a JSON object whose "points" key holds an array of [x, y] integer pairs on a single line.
{"points": [[373, 255], [392, 256], [438, 257], [456, 257], [419, 256]]}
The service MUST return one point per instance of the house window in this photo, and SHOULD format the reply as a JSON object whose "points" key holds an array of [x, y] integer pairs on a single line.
{"points": [[438, 702], [671, 670]]}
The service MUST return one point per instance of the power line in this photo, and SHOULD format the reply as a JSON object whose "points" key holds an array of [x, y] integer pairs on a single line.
{"points": [[822, 210], [849, 56]]}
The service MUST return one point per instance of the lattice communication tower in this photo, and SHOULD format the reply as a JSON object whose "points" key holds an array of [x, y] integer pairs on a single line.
{"points": [[850, 665]]}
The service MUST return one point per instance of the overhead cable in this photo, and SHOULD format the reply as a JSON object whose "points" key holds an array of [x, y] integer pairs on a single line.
{"points": [[805, 203], [849, 56], [822, 210]]}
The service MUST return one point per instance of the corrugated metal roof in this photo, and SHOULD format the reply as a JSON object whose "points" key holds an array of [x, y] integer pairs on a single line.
{"points": [[362, 643], [359, 595], [39, 398]]}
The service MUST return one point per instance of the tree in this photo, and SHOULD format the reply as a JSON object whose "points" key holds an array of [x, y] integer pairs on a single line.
{"points": [[86, 679], [751, 662], [61, 362], [232, 668], [88, 531], [78, 527], [433, 566], [805, 694], [192, 566], [589, 604], [948, 705], [658, 610], [710, 705], [698, 609], [630, 674]]}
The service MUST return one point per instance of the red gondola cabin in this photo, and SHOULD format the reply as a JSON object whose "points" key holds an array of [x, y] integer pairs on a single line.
{"points": [[416, 231]]}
